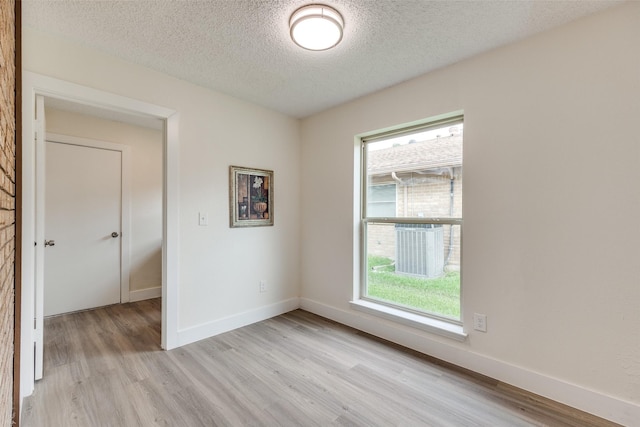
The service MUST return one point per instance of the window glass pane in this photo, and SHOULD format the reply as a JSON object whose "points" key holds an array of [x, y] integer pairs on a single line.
{"points": [[381, 201], [424, 167], [416, 266]]}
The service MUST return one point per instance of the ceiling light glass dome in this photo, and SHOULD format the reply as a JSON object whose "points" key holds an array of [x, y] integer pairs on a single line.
{"points": [[316, 27]]}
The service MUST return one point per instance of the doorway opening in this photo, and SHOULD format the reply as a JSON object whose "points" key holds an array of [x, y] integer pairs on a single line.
{"points": [[102, 209], [109, 107]]}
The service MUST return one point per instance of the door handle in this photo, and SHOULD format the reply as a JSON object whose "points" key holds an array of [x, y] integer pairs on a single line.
{"points": [[49, 243], [114, 234]]}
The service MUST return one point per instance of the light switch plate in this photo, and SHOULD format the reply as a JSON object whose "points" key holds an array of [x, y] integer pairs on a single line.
{"points": [[203, 218]]}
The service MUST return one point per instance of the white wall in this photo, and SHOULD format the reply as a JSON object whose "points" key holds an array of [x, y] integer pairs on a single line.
{"points": [[551, 201], [219, 268], [146, 187]]}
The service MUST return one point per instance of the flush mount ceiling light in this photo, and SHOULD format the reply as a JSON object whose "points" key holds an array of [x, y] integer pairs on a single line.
{"points": [[316, 27]]}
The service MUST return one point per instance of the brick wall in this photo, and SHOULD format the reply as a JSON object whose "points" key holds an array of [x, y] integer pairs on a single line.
{"points": [[7, 206]]}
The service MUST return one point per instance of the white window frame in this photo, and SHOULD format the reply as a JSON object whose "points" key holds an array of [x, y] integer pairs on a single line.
{"points": [[451, 328]]}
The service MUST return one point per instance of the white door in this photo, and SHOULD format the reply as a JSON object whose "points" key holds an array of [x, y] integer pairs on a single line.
{"points": [[38, 334], [82, 227]]}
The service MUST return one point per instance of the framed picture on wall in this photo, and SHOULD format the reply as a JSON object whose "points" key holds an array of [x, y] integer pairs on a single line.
{"points": [[250, 197]]}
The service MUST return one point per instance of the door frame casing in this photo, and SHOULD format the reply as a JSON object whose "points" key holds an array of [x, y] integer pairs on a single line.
{"points": [[34, 84], [125, 200]]}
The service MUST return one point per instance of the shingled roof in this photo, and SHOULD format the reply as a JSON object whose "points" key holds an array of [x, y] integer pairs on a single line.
{"points": [[436, 153]]}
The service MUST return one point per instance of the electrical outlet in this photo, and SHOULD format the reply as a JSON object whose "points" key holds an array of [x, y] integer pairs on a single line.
{"points": [[263, 286], [480, 322]]}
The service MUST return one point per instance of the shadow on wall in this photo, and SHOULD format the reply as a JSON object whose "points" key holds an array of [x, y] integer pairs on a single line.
{"points": [[146, 268]]}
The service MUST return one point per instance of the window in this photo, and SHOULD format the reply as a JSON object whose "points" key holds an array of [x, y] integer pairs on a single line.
{"points": [[412, 219]]}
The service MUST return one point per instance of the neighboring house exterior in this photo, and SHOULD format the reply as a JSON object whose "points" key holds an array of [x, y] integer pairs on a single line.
{"points": [[418, 179]]}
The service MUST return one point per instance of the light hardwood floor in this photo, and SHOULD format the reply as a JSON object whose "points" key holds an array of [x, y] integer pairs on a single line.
{"points": [[105, 368]]}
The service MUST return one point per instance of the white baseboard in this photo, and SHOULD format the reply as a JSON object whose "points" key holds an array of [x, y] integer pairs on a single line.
{"points": [[601, 405], [210, 329], [142, 294]]}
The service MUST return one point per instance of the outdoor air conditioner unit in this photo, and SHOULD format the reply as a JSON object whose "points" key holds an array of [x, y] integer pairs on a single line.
{"points": [[420, 250]]}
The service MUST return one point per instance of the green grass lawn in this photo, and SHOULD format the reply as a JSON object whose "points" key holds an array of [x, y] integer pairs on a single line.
{"points": [[439, 296]]}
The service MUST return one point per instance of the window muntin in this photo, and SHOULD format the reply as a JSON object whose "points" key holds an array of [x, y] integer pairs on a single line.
{"points": [[412, 256]]}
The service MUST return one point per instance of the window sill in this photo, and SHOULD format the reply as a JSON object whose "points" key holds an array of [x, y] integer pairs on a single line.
{"points": [[428, 324]]}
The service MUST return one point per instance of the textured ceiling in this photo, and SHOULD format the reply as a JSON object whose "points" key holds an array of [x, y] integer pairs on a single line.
{"points": [[242, 47]]}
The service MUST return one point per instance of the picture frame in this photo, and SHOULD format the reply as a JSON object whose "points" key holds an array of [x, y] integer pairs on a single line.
{"points": [[250, 197]]}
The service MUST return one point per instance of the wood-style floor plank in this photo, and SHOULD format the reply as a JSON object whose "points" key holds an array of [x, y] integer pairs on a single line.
{"points": [[104, 367]]}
